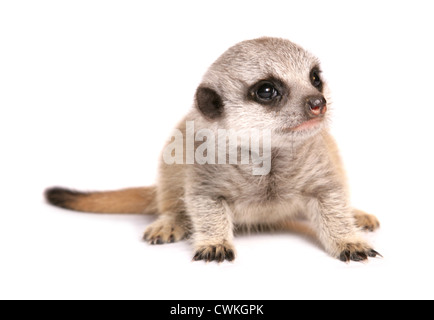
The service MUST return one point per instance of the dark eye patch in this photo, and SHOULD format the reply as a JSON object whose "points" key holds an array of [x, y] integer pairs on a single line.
{"points": [[269, 92]]}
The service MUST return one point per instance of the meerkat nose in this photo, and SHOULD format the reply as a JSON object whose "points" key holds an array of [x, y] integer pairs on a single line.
{"points": [[317, 105]]}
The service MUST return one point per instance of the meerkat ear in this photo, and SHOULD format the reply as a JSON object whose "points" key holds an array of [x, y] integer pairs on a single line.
{"points": [[209, 102]]}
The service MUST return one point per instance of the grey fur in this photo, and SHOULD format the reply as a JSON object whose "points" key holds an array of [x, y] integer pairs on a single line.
{"points": [[209, 202]]}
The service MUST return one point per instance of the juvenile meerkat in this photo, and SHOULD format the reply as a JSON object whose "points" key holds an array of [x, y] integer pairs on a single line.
{"points": [[264, 84]]}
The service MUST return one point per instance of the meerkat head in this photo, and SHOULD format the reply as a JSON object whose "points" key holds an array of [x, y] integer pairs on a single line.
{"points": [[267, 83]]}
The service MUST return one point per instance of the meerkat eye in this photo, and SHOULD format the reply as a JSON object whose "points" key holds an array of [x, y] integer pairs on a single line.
{"points": [[269, 92], [266, 92], [315, 79]]}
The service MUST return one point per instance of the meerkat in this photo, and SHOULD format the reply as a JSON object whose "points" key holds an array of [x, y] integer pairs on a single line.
{"points": [[265, 84]]}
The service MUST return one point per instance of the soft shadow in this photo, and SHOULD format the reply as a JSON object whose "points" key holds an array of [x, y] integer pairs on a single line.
{"points": [[296, 227]]}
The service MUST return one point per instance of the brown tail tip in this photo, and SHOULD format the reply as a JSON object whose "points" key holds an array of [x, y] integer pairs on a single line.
{"points": [[62, 197]]}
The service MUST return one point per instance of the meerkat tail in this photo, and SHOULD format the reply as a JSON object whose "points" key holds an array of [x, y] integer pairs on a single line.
{"points": [[134, 200]]}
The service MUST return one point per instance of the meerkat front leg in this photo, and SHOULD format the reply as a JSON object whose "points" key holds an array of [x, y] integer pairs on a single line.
{"points": [[212, 229], [337, 230]]}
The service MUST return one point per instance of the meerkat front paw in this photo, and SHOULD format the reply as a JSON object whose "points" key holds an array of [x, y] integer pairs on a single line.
{"points": [[357, 251], [366, 221], [164, 230], [218, 253]]}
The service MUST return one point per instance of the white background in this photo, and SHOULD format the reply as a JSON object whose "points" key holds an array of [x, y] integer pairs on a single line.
{"points": [[89, 91]]}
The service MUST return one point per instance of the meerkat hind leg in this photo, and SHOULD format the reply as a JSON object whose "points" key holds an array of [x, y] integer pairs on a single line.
{"points": [[165, 230], [366, 221]]}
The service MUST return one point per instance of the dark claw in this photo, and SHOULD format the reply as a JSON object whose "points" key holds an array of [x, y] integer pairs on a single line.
{"points": [[219, 257], [207, 256], [359, 256], [157, 241], [345, 256], [372, 253], [229, 255], [211, 255], [198, 256], [172, 239]]}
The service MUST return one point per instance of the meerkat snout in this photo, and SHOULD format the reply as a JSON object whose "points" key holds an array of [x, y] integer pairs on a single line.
{"points": [[316, 105]]}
